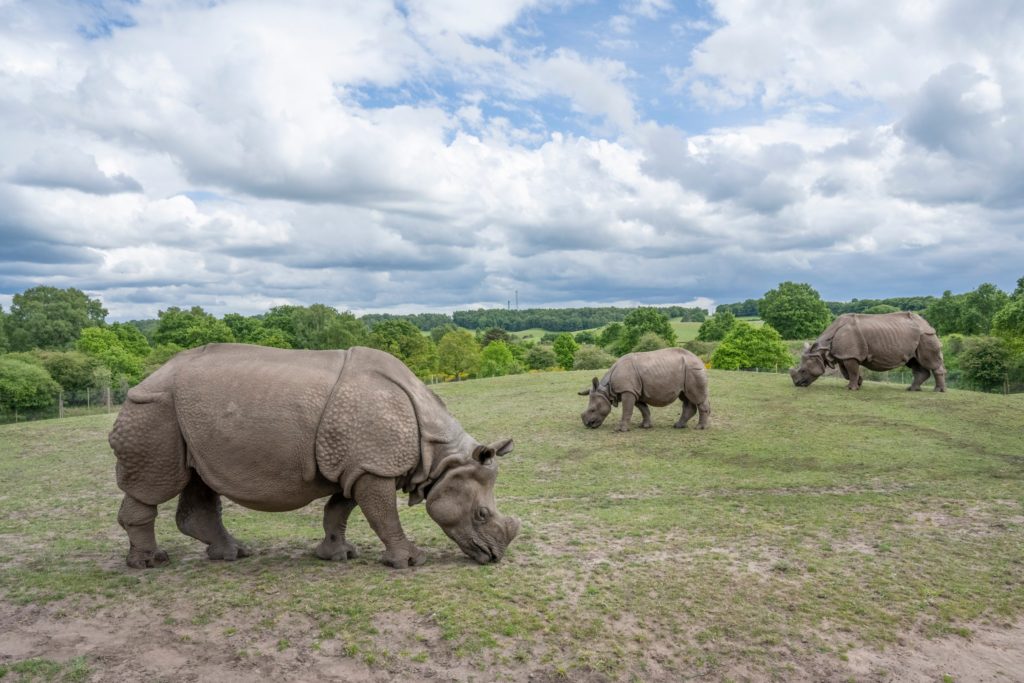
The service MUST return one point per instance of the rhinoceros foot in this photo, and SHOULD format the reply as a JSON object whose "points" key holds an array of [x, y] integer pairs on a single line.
{"points": [[336, 551], [405, 555], [228, 552], [145, 559]]}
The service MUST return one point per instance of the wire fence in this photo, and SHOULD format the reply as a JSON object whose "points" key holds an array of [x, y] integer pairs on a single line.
{"points": [[91, 401]]}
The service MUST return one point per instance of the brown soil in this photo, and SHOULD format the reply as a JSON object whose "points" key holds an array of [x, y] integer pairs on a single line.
{"points": [[134, 644]]}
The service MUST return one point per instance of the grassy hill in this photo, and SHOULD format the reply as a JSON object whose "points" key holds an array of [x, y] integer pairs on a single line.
{"points": [[804, 528]]}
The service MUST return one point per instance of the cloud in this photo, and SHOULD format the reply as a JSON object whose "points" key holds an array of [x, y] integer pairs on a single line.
{"points": [[72, 169]]}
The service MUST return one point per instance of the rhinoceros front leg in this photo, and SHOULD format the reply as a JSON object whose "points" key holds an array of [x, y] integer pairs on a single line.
{"points": [[851, 371], [199, 516], [921, 375], [688, 411], [628, 401], [646, 413], [137, 519], [376, 497], [334, 546], [940, 378]]}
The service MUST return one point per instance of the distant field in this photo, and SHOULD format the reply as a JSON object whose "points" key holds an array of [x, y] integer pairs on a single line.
{"points": [[809, 534]]}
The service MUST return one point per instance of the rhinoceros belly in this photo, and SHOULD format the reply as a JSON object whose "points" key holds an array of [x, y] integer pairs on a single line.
{"points": [[249, 416]]}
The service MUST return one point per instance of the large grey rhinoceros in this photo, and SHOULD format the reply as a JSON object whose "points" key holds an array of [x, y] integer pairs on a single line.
{"points": [[878, 342], [275, 429], [650, 378]]}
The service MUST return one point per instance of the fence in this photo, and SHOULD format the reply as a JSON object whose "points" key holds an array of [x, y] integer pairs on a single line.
{"points": [[1012, 384], [92, 401]]}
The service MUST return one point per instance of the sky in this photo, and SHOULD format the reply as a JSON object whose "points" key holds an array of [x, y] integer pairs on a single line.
{"points": [[433, 155]]}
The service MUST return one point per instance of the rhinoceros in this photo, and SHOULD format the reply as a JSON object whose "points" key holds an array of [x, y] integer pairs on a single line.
{"points": [[650, 378], [275, 429], [878, 342]]}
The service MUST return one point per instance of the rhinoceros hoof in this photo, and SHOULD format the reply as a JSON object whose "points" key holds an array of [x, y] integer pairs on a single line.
{"points": [[700, 426], [404, 557], [679, 425], [228, 552], [942, 389], [145, 559], [646, 426], [336, 552], [622, 428]]}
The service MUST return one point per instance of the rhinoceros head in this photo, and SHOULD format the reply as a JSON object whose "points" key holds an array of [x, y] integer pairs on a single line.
{"points": [[812, 366], [599, 406], [462, 504]]}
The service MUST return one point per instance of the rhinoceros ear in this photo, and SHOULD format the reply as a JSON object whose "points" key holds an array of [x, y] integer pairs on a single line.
{"points": [[485, 454], [594, 382], [585, 392]]}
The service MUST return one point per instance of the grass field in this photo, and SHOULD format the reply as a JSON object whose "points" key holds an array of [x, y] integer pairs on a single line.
{"points": [[804, 535]]}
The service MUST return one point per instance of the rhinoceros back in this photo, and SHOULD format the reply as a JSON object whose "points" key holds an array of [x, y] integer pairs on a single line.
{"points": [[249, 415]]}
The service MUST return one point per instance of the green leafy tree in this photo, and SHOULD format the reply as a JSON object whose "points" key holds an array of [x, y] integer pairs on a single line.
{"points": [[404, 340], [985, 362], [565, 348], [272, 337], [640, 321], [158, 356], [438, 333], [25, 386], [458, 353], [648, 342], [132, 339], [323, 327], [748, 347], [980, 307], [191, 328], [3, 333], [1008, 323], [282, 318], [717, 326], [244, 329], [494, 334], [50, 318], [944, 313], [795, 310], [881, 308], [72, 370], [541, 357], [591, 357], [496, 360], [103, 344], [610, 335], [585, 337]]}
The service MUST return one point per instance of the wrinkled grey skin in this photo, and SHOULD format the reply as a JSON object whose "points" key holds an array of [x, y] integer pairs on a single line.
{"points": [[275, 429], [650, 378], [878, 342]]}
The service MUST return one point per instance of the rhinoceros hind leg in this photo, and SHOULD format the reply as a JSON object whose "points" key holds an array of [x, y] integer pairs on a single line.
{"points": [[940, 378], [921, 375], [334, 546], [376, 498], [199, 516], [689, 410], [705, 412], [851, 371], [646, 413], [137, 519]]}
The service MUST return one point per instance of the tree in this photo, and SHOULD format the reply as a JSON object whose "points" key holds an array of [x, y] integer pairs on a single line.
{"points": [[245, 329], [103, 344], [72, 370], [191, 328], [592, 358], [748, 347], [565, 348], [50, 318], [458, 353], [494, 334], [404, 341], [25, 386], [795, 310], [648, 342], [3, 334], [438, 333], [717, 326], [881, 308], [496, 360], [610, 335], [985, 362], [541, 357], [157, 357], [642, 320], [131, 339], [585, 337], [971, 313], [323, 327], [1008, 323]]}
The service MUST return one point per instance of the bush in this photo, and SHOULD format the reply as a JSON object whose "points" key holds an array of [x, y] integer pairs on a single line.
{"points": [[496, 360], [25, 386], [541, 358], [565, 348], [701, 348], [650, 342], [986, 362], [591, 357], [716, 327], [749, 347], [795, 310]]}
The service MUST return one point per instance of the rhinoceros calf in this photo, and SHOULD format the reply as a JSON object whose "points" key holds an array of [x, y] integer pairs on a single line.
{"points": [[878, 342], [275, 429], [650, 378]]}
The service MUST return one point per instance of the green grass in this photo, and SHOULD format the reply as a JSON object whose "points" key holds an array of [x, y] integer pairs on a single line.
{"points": [[803, 523]]}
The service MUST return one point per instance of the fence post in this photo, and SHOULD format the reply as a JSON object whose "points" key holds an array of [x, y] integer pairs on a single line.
{"points": [[88, 399], [108, 399], [60, 404]]}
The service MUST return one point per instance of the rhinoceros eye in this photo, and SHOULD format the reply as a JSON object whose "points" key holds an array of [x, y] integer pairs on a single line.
{"points": [[481, 514]]}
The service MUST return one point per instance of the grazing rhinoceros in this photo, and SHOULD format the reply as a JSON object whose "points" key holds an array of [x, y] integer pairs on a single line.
{"points": [[650, 378], [275, 429], [878, 342]]}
